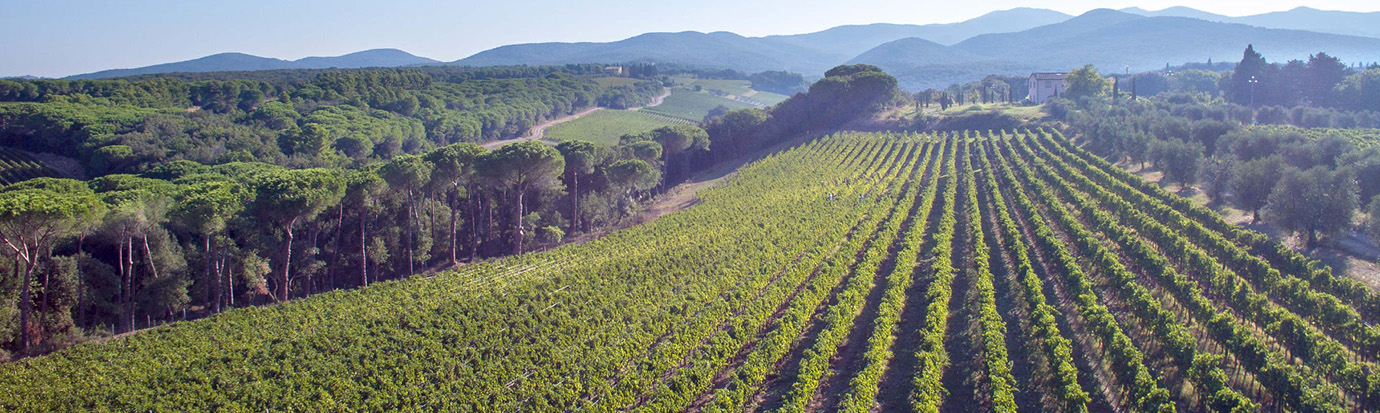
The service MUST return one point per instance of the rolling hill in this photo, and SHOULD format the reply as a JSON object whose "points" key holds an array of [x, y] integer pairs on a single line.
{"points": [[718, 49], [1009, 42], [849, 41], [1301, 18], [1109, 39], [232, 62]]}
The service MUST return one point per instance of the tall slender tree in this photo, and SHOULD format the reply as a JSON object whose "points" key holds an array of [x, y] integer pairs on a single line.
{"points": [[205, 209], [407, 175], [362, 188], [453, 172], [286, 198], [580, 159], [519, 168]]}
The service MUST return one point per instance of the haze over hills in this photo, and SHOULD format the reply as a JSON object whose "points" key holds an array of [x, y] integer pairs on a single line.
{"points": [[1009, 42], [1301, 18], [243, 62], [849, 41], [1112, 40], [809, 53]]}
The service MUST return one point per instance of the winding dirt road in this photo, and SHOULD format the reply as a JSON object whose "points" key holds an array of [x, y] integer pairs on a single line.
{"points": [[539, 131]]}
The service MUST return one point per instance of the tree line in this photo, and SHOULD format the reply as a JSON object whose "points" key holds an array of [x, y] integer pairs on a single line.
{"points": [[122, 252], [184, 239]]}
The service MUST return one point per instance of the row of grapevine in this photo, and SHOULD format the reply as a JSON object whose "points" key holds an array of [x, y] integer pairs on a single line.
{"points": [[763, 360], [809, 281], [1322, 308], [932, 357], [840, 318], [1169, 330], [1136, 380], [18, 166], [1363, 299], [1000, 383], [1059, 372], [863, 386], [1302, 338]]}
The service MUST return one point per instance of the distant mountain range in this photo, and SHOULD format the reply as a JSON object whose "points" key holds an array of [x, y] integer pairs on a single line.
{"points": [[1302, 18], [1112, 40], [228, 62], [1010, 42], [810, 53]]}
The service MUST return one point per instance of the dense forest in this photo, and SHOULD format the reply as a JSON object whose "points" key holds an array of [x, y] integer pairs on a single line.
{"points": [[295, 118], [285, 184]]}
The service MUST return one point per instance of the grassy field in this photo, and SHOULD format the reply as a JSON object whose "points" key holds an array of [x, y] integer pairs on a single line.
{"points": [[605, 126], [726, 86], [767, 98], [691, 105], [1027, 113]]}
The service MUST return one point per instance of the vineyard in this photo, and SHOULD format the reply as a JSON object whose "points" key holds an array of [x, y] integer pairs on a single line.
{"points": [[1361, 137], [606, 126], [691, 105], [17, 166], [859, 272]]}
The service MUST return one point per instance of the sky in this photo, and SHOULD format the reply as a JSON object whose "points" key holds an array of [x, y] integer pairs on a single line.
{"points": [[54, 38]]}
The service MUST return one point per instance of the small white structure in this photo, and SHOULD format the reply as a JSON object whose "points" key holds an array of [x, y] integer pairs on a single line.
{"points": [[1046, 86]]}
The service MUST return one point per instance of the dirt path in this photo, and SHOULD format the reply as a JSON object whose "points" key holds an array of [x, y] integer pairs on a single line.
{"points": [[538, 132], [656, 101]]}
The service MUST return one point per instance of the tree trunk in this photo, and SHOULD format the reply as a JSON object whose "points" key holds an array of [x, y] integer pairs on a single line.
{"points": [[1255, 216], [212, 281], [489, 216], [129, 283], [315, 248], [574, 202], [411, 223], [25, 307], [518, 233], [287, 263], [335, 250], [229, 278], [474, 225], [454, 216], [148, 256], [124, 276], [1312, 238], [363, 251]]}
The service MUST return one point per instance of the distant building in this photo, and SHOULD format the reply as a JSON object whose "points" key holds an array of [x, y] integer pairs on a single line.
{"points": [[1046, 86], [613, 70]]}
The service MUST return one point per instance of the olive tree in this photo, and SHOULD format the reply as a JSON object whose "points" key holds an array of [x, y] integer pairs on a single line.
{"points": [[1314, 201]]}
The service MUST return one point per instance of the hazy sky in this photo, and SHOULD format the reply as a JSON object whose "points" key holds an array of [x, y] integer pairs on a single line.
{"points": [[65, 37]]}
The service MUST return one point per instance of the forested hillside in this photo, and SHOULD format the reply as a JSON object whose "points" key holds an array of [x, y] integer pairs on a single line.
{"points": [[292, 118]]}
